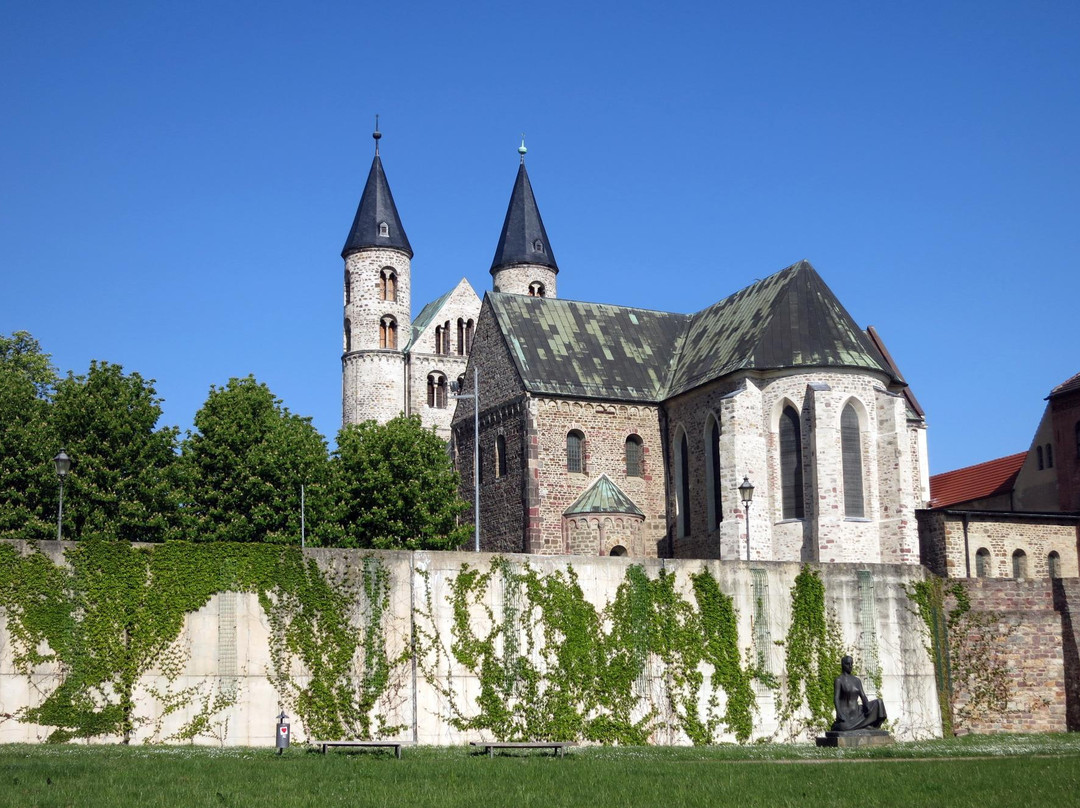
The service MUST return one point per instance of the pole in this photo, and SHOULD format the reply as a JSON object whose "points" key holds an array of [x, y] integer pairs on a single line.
{"points": [[60, 513], [302, 525], [476, 455], [747, 506]]}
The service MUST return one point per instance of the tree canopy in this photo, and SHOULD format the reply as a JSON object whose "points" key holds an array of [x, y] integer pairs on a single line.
{"points": [[396, 488]]}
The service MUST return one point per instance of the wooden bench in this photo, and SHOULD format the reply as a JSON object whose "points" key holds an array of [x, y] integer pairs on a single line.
{"points": [[395, 745], [556, 747]]}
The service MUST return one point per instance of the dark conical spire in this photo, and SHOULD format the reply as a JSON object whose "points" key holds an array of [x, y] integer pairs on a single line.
{"points": [[377, 223], [523, 239]]}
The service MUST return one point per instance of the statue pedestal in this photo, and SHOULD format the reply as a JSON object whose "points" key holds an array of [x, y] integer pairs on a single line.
{"points": [[859, 737]]}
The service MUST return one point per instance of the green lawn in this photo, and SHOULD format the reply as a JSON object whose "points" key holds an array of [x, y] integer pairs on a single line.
{"points": [[981, 772]]}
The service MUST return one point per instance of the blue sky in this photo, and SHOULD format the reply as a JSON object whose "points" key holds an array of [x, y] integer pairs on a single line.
{"points": [[177, 179]]}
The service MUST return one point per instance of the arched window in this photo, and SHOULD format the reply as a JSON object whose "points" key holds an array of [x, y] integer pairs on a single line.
{"points": [[470, 327], [1053, 564], [388, 284], [460, 337], [1019, 559], [500, 456], [682, 486], [1049, 455], [713, 477], [348, 289], [851, 452], [982, 563], [536, 289], [1039, 455], [348, 335], [384, 229], [388, 332], [791, 464], [436, 390], [634, 457], [438, 339], [538, 246], [618, 550], [575, 452]]}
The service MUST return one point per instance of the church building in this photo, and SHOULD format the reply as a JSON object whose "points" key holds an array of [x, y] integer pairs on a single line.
{"points": [[609, 430]]}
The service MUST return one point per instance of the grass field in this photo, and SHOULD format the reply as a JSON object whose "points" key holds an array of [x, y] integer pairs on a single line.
{"points": [[986, 771]]}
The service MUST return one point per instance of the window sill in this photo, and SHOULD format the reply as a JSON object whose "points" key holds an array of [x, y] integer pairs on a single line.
{"points": [[857, 519]]}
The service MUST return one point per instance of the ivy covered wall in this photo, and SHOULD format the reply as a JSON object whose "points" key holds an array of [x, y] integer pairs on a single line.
{"points": [[206, 643]]}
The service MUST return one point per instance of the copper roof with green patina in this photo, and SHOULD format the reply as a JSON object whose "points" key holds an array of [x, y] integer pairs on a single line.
{"points": [[790, 319], [427, 314], [603, 496], [588, 350]]}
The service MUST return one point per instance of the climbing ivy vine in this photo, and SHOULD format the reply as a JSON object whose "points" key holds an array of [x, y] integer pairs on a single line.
{"points": [[113, 612], [552, 666], [813, 649]]}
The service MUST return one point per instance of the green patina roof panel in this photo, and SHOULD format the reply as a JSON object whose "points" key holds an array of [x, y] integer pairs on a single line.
{"points": [[589, 350], [603, 496]]}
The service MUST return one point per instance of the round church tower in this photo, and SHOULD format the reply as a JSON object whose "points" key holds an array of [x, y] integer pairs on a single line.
{"points": [[377, 305]]}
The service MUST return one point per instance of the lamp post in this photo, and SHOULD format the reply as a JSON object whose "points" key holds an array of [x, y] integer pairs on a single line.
{"points": [[746, 494], [63, 466], [475, 396]]}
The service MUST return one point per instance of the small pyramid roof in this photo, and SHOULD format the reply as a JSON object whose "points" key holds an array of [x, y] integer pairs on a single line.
{"points": [[603, 496], [376, 207], [523, 239]]}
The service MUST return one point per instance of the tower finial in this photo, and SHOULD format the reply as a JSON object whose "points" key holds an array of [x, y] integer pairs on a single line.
{"points": [[376, 134], [522, 149]]}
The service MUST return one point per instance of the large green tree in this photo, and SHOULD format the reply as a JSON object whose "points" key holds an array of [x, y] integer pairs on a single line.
{"points": [[28, 487], [244, 464], [121, 484], [396, 488]]}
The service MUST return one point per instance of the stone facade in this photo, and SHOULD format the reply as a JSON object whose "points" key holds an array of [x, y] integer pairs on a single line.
{"points": [[1037, 649], [520, 279], [953, 541]]}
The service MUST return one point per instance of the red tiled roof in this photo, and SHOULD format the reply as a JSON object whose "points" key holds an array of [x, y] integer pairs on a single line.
{"points": [[975, 482], [1066, 386]]}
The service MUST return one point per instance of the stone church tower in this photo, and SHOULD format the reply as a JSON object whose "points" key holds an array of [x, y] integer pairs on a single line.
{"points": [[377, 312], [524, 263]]}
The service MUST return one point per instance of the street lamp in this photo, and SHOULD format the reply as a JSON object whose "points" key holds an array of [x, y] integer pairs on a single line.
{"points": [[746, 494], [475, 396], [63, 466]]}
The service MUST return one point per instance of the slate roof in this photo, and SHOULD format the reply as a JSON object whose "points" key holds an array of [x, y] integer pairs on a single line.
{"points": [[1067, 386], [591, 350], [975, 482], [376, 206], [523, 230], [603, 496]]}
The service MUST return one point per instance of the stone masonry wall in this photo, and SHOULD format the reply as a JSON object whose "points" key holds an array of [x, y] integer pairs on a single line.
{"points": [[1002, 534], [1029, 647], [515, 279]]}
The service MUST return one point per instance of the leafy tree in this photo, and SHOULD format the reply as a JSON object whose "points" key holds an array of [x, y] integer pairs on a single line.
{"points": [[396, 488], [121, 484], [243, 466], [28, 487]]}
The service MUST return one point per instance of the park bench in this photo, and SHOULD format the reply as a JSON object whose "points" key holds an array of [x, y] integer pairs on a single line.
{"points": [[395, 745], [556, 747]]}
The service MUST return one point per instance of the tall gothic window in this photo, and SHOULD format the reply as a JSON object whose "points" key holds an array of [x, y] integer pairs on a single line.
{"points": [[851, 452], [713, 475], [500, 456], [634, 457], [388, 284], [682, 486], [791, 464], [388, 332], [575, 452]]}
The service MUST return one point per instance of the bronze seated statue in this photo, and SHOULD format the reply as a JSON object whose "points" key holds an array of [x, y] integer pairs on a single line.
{"points": [[853, 710]]}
